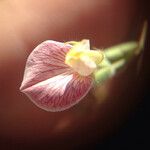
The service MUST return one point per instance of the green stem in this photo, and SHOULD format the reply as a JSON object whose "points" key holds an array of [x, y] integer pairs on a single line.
{"points": [[126, 50], [104, 73], [120, 51], [142, 38], [116, 57]]}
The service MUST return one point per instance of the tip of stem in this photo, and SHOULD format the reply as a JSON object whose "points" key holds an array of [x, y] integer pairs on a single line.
{"points": [[142, 38]]}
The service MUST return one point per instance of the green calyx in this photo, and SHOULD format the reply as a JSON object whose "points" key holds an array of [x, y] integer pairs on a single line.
{"points": [[117, 56]]}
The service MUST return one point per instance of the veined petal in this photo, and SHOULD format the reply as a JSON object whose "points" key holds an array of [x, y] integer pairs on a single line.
{"points": [[49, 82], [44, 62], [60, 92]]}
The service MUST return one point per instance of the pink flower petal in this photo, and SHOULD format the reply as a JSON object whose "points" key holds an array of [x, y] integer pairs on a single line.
{"points": [[49, 82], [58, 93], [45, 61]]}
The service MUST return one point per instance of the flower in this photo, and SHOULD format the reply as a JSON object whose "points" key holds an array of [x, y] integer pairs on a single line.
{"points": [[58, 75]]}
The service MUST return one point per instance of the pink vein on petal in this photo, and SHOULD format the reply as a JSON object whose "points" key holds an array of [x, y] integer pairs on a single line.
{"points": [[45, 61], [60, 92], [49, 82]]}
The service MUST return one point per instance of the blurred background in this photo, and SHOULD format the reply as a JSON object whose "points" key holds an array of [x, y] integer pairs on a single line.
{"points": [[113, 115]]}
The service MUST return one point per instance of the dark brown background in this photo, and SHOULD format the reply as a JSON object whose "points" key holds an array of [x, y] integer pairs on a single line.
{"points": [[115, 115]]}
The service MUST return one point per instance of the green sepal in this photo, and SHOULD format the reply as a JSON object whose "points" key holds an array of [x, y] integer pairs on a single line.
{"points": [[123, 50], [104, 73], [115, 57]]}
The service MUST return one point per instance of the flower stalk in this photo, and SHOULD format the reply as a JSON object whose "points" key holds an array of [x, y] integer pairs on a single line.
{"points": [[117, 56]]}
